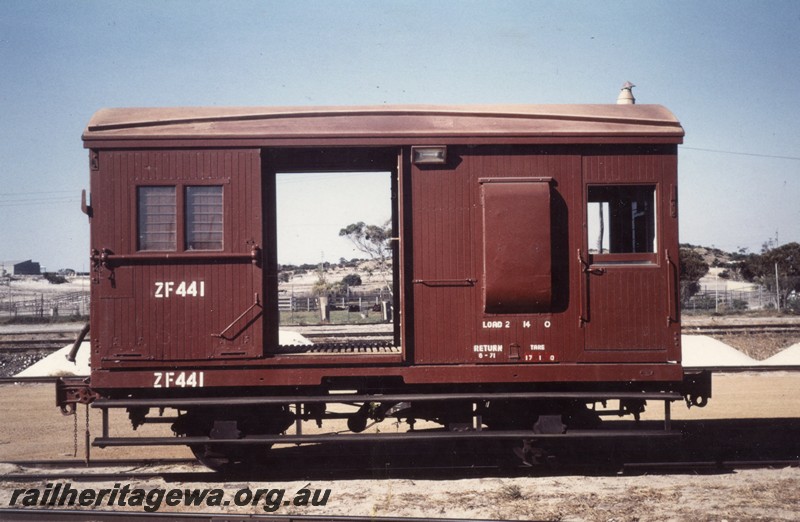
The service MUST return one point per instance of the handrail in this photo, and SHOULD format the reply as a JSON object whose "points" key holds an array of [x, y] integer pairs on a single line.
{"points": [[583, 266], [587, 270], [445, 282], [671, 291], [106, 257], [78, 342]]}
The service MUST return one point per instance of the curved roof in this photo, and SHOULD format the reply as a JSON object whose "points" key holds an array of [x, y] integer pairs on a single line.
{"points": [[398, 123]]}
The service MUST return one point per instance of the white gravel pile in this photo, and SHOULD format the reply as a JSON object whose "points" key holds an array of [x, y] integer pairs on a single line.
{"points": [[701, 351], [788, 357], [56, 364], [287, 338]]}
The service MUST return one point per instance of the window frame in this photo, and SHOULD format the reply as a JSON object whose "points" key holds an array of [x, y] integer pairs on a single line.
{"points": [[139, 215], [181, 239], [187, 222], [624, 258]]}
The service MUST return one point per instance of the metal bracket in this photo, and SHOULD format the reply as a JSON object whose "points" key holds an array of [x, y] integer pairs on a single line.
{"points": [[445, 282], [586, 267], [71, 391], [221, 335]]}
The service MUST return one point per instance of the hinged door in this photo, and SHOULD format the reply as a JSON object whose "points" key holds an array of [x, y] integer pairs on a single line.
{"points": [[176, 255], [627, 262]]}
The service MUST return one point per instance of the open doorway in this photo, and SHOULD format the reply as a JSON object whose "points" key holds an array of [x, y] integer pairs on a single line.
{"points": [[335, 258]]}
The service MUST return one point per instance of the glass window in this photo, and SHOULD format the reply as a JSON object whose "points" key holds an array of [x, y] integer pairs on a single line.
{"points": [[622, 219], [157, 218], [204, 215]]}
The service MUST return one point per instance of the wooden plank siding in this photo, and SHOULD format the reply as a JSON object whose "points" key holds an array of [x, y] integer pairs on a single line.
{"points": [[628, 303], [448, 235], [135, 323]]}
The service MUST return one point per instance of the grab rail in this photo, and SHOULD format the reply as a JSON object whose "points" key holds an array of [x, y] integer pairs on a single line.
{"points": [[671, 290], [583, 266], [107, 258], [445, 282], [586, 269]]}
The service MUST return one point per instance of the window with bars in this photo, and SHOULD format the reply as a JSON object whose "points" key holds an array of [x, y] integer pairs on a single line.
{"points": [[159, 221], [204, 216], [157, 218]]}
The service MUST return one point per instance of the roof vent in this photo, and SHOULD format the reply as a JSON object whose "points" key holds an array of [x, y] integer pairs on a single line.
{"points": [[626, 95]]}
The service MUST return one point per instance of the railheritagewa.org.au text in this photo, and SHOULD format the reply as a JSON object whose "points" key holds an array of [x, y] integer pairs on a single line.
{"points": [[153, 499]]}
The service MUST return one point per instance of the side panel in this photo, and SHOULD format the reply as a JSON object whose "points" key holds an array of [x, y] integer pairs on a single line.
{"points": [[446, 259], [180, 300], [452, 235]]}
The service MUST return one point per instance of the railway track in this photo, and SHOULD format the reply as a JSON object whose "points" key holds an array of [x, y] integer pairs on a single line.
{"points": [[704, 467], [749, 329], [188, 470], [28, 341], [104, 470], [55, 339], [44, 342]]}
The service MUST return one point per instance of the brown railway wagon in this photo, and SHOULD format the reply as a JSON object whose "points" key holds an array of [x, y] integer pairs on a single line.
{"points": [[535, 252]]}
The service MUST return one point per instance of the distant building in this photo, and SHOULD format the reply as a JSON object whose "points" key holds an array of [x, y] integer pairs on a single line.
{"points": [[20, 268]]}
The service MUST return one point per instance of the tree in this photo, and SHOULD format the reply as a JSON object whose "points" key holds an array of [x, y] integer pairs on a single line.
{"points": [[375, 241], [351, 280], [693, 267], [321, 288], [781, 263]]}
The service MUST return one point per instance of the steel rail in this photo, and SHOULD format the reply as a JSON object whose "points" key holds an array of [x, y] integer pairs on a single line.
{"points": [[745, 369], [376, 334], [647, 468], [107, 476], [70, 472], [27, 345], [752, 328], [66, 333], [28, 380], [81, 463], [80, 515], [11, 342]]}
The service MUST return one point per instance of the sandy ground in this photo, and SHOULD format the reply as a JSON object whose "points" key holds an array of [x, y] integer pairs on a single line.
{"points": [[33, 429]]}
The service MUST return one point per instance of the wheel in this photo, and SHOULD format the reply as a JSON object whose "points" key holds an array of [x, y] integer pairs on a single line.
{"points": [[230, 458], [231, 424]]}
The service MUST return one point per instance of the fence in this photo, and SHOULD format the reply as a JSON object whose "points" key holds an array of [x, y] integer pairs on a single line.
{"points": [[76, 304], [353, 303], [73, 304], [727, 300]]}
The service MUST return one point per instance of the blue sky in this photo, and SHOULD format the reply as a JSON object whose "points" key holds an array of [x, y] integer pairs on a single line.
{"points": [[729, 70]]}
